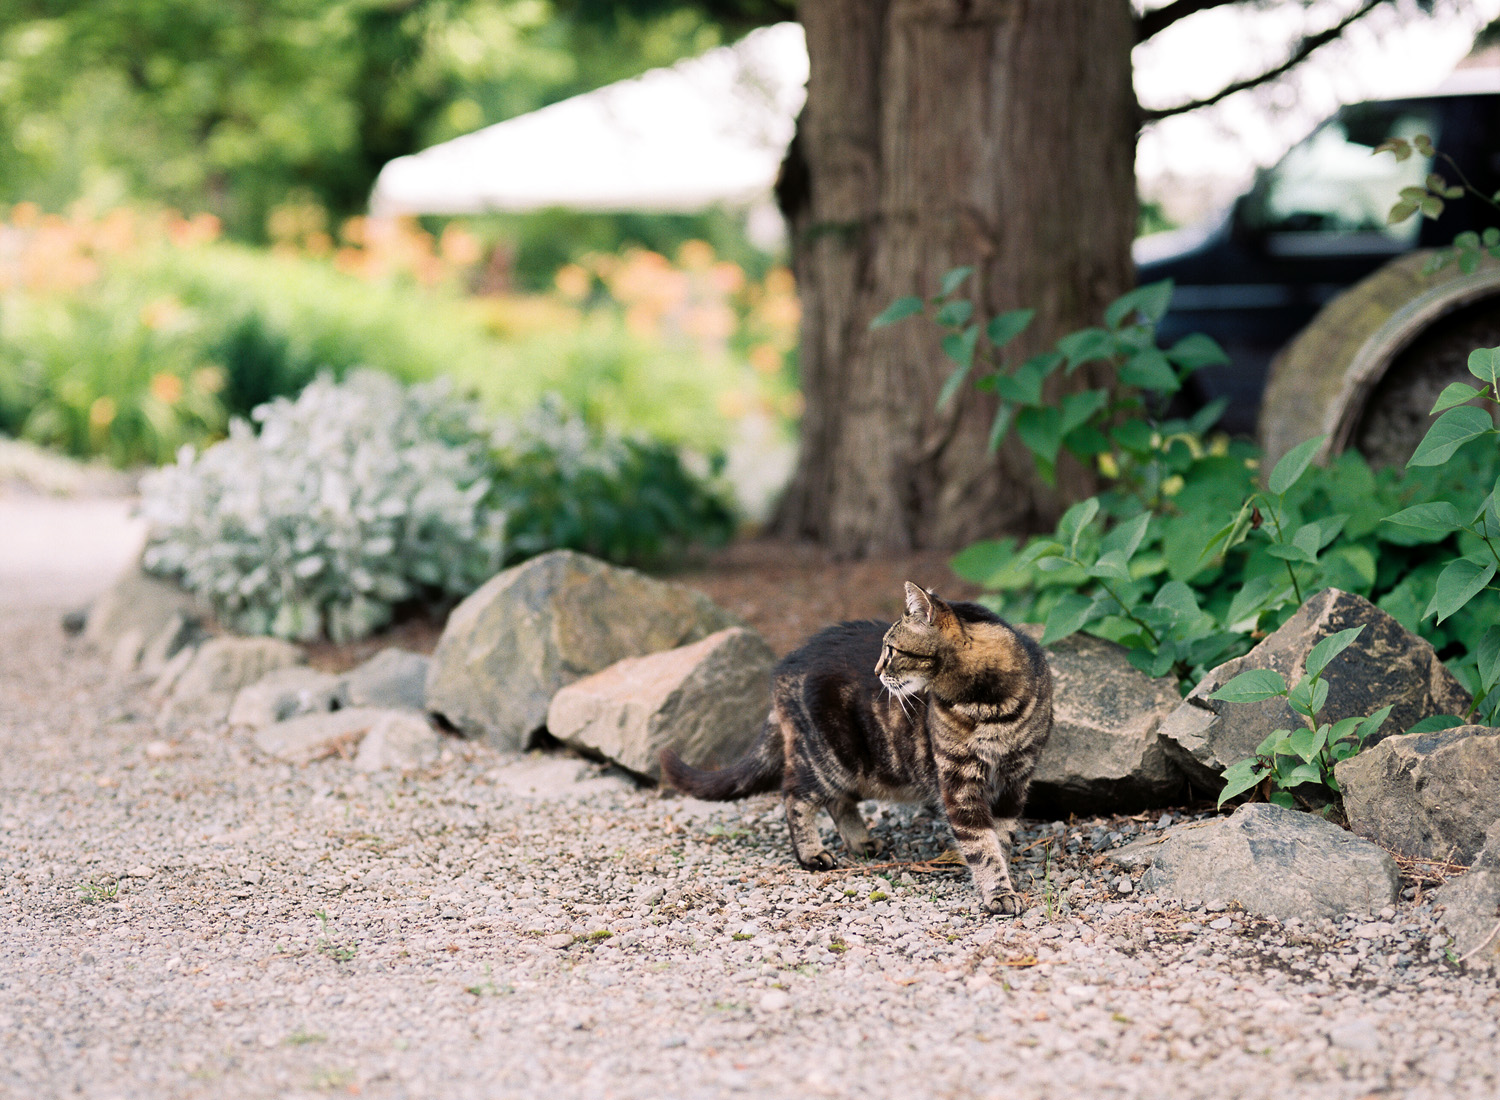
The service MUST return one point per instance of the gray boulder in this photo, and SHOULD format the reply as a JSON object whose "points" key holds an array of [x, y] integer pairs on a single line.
{"points": [[541, 625], [139, 604], [391, 678], [1105, 755], [1387, 664], [311, 737], [400, 740], [706, 700], [284, 693], [1430, 795], [1471, 904], [1277, 862], [204, 685]]}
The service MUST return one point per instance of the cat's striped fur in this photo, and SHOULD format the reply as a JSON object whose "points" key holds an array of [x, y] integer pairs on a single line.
{"points": [[950, 705]]}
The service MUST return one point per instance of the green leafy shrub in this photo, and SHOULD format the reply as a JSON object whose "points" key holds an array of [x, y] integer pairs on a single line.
{"points": [[351, 500], [108, 374], [1184, 558], [361, 496], [564, 484]]}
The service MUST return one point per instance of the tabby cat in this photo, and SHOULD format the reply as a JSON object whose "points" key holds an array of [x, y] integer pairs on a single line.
{"points": [[949, 705]]}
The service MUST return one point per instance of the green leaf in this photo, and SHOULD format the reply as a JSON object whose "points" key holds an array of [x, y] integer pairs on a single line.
{"points": [[1149, 370], [1086, 345], [899, 310], [1251, 598], [959, 346], [1231, 534], [1327, 649], [1041, 430], [952, 384], [1345, 727], [1282, 798], [1005, 327], [1455, 393], [1134, 436], [1127, 536], [1484, 364], [1150, 301], [1078, 407], [1241, 776], [1437, 722], [1197, 350], [1401, 211], [953, 279], [1112, 565], [1371, 725], [1252, 687], [1450, 432], [1293, 465], [1308, 743], [1488, 653], [956, 313], [1071, 614], [1290, 551], [1074, 520], [980, 561], [1459, 582], [1000, 426], [1272, 743], [1432, 518], [1306, 772]]}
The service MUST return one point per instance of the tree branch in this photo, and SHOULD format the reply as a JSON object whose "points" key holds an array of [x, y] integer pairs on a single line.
{"points": [[1305, 47], [1159, 19]]}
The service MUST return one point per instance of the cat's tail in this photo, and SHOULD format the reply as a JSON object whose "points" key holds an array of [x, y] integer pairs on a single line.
{"points": [[759, 770]]}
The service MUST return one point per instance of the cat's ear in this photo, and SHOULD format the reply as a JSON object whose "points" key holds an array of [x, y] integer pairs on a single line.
{"points": [[928, 606], [919, 604]]}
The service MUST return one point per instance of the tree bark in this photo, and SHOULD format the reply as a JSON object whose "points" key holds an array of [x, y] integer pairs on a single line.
{"points": [[998, 133]]}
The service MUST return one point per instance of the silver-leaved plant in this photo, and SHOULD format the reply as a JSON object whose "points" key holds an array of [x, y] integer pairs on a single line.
{"points": [[353, 498]]}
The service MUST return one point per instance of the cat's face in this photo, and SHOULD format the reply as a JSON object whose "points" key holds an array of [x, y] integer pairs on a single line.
{"points": [[914, 646]]}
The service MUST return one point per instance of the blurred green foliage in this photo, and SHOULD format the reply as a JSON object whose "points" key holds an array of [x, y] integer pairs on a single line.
{"points": [[231, 106], [129, 336]]}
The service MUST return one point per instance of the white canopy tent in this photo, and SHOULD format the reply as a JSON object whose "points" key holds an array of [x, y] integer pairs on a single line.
{"points": [[709, 130]]}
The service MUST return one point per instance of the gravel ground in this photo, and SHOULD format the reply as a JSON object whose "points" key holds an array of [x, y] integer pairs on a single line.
{"points": [[189, 919]]}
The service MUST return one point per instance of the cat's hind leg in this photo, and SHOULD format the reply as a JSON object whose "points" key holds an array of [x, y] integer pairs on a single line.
{"points": [[851, 826], [807, 844]]}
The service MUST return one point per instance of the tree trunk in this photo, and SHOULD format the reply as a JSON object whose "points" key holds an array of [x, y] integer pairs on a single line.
{"points": [[998, 133]]}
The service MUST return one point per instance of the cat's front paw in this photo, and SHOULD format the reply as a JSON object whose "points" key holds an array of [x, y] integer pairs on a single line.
{"points": [[866, 850], [1008, 904], [819, 861]]}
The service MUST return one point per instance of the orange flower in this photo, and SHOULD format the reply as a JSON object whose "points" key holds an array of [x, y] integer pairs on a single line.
{"points": [[166, 388], [573, 282], [102, 413], [459, 246]]}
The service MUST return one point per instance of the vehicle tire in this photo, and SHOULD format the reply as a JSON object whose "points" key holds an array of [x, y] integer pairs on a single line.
{"points": [[1399, 409], [1367, 369]]}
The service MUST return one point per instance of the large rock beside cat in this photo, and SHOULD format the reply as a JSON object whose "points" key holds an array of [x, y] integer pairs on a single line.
{"points": [[706, 701], [1387, 664], [1105, 754], [1277, 862], [1430, 795], [535, 628]]}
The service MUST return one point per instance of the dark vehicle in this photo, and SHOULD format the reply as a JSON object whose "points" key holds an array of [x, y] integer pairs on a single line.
{"points": [[1315, 224]]}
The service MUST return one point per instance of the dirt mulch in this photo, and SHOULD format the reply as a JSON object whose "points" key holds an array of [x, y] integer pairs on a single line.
{"points": [[787, 591]]}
